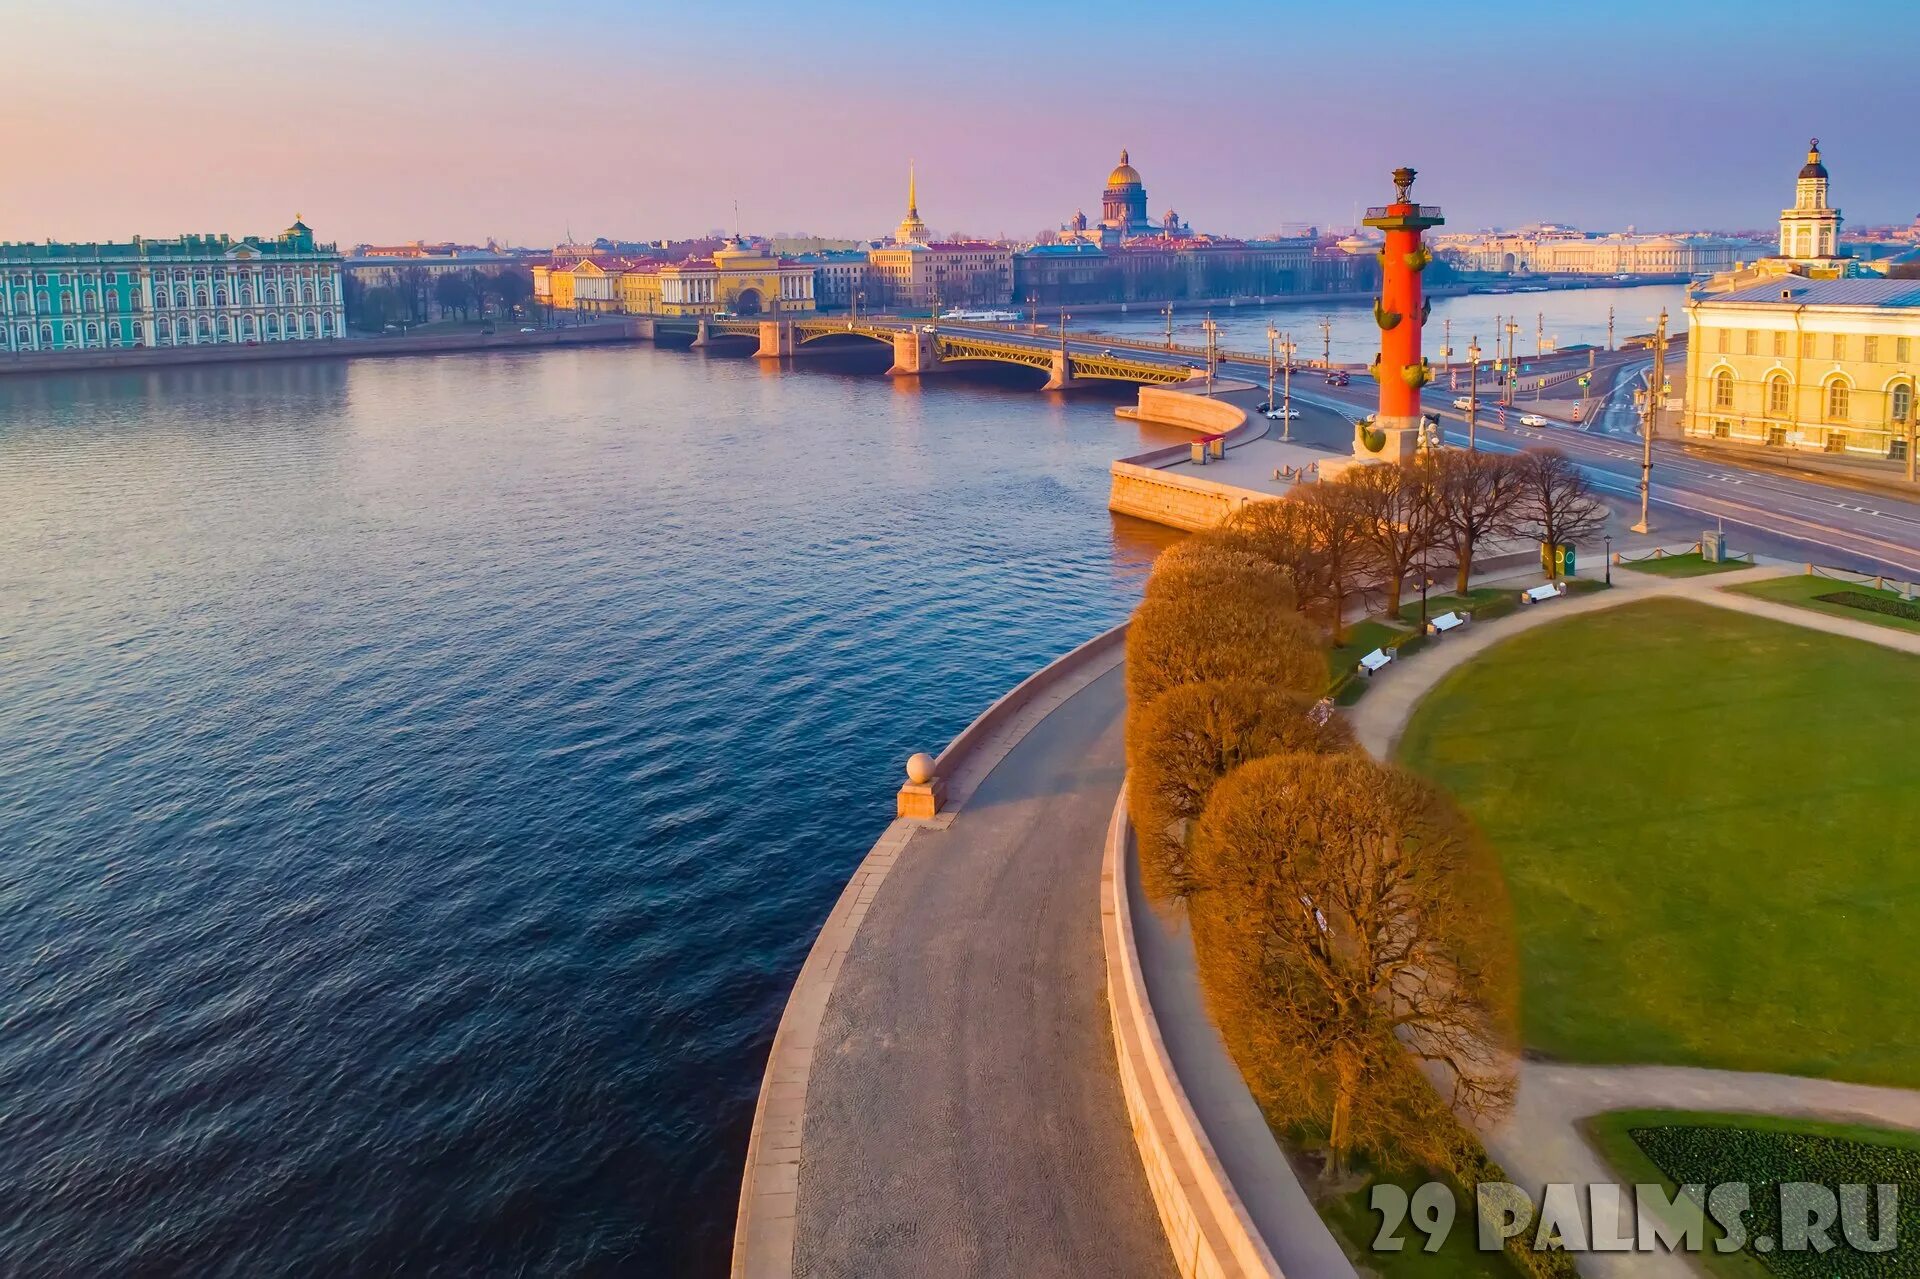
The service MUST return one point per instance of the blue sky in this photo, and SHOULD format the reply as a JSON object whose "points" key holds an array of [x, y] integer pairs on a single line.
{"points": [[434, 119]]}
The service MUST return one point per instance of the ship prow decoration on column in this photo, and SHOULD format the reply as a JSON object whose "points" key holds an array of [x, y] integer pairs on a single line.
{"points": [[1393, 433]]}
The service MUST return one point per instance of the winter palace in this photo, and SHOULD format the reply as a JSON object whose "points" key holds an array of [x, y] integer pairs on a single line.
{"points": [[192, 290]]}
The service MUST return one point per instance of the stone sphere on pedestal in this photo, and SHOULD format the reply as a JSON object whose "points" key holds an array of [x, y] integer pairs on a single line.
{"points": [[920, 768]]}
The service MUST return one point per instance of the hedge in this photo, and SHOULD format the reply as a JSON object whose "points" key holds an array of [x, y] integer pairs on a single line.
{"points": [[1873, 604], [1710, 1154]]}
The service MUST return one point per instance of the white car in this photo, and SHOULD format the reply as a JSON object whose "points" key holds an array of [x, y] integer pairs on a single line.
{"points": [[1276, 415], [1463, 403], [1532, 419]]}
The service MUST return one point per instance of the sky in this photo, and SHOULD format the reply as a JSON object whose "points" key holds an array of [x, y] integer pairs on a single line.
{"points": [[431, 119]]}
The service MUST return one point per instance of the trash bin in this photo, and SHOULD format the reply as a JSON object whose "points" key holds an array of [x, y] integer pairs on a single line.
{"points": [[1563, 559], [1713, 546]]}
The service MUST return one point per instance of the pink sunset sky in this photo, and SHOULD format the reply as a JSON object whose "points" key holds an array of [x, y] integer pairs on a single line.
{"points": [[437, 120]]}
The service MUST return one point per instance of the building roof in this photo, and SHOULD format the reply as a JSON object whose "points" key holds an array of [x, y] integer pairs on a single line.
{"points": [[1793, 290], [1813, 168], [1065, 249], [1124, 174]]}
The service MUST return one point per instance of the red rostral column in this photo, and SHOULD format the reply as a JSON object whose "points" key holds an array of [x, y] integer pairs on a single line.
{"points": [[1400, 312]]}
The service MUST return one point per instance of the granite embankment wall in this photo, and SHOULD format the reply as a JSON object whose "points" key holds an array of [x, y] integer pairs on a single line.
{"points": [[1142, 485], [319, 349]]}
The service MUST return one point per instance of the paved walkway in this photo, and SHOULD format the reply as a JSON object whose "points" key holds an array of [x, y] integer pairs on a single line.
{"points": [[962, 1115], [1541, 1141]]}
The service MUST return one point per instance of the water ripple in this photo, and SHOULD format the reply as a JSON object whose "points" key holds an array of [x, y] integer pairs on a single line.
{"points": [[420, 780]]}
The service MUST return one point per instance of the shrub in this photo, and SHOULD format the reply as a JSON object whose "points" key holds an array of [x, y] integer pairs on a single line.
{"points": [[1209, 565], [1872, 604], [1184, 638], [1193, 735]]}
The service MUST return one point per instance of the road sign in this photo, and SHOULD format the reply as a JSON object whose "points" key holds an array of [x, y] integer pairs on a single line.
{"points": [[1585, 380]]}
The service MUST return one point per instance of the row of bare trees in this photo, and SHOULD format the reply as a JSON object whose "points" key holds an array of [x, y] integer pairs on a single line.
{"points": [[1374, 527], [1349, 921]]}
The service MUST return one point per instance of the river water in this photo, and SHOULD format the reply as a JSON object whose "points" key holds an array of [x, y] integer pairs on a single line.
{"points": [[1563, 317], [421, 779]]}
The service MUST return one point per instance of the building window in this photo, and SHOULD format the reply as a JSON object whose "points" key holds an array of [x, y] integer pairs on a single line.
{"points": [[1839, 347], [1720, 341], [1900, 403], [1871, 353], [1839, 397], [1806, 345], [1779, 395], [1723, 390], [1753, 341], [1780, 344], [1903, 349]]}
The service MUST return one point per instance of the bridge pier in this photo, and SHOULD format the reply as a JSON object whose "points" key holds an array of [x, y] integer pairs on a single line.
{"points": [[776, 339], [914, 354], [1060, 376], [701, 337]]}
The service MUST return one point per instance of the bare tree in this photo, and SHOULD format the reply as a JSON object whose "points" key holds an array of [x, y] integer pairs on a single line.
{"points": [[1398, 519], [1349, 921], [1335, 527], [1285, 534], [1556, 502], [1190, 737], [1476, 496]]}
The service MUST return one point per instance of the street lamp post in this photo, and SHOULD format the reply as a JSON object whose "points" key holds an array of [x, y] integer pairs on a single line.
{"points": [[1167, 311], [1513, 363], [1273, 354], [1064, 317], [1473, 388], [1609, 541], [1656, 394], [1212, 331], [1287, 348]]}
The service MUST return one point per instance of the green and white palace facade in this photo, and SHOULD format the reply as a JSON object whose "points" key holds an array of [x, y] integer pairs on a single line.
{"points": [[191, 291]]}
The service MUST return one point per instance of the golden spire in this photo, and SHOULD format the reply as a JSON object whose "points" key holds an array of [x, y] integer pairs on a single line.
{"points": [[913, 198]]}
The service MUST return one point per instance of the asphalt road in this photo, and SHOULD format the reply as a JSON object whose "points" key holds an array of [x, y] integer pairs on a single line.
{"points": [[963, 1114]]}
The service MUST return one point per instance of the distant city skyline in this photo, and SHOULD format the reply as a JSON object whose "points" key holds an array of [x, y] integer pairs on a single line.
{"points": [[383, 124]]}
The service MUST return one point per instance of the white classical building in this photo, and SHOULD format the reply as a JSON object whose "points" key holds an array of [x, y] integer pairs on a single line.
{"points": [[190, 291]]}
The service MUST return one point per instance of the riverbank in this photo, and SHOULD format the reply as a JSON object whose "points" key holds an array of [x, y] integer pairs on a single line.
{"points": [[620, 330]]}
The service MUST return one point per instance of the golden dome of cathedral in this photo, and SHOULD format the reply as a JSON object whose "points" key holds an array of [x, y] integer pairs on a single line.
{"points": [[1124, 174]]}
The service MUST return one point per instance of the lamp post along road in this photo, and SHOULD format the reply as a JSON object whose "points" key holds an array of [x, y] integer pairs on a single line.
{"points": [[1656, 395], [1473, 388], [1287, 347], [1273, 343]]}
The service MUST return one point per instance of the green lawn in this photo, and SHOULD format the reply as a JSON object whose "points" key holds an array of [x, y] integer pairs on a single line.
{"points": [[1670, 1147], [1688, 565], [1355, 1224], [1706, 822], [1800, 589], [1437, 605], [1362, 638]]}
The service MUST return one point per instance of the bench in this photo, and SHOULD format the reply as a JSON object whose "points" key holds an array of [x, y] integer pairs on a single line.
{"points": [[1448, 622], [1374, 661], [1544, 591]]}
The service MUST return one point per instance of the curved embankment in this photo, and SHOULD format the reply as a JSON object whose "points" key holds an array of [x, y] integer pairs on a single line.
{"points": [[1228, 1199], [941, 1096], [1142, 486]]}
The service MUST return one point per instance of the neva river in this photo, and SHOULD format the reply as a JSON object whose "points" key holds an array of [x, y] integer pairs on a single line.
{"points": [[420, 779]]}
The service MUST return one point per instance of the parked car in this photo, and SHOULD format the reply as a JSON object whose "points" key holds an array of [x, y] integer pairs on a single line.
{"points": [[1283, 414], [1462, 402], [1532, 419]]}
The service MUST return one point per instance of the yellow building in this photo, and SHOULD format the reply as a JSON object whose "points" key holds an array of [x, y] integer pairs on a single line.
{"points": [[736, 280], [1791, 362]]}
